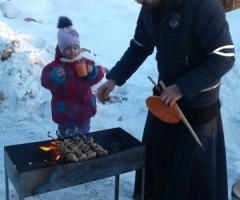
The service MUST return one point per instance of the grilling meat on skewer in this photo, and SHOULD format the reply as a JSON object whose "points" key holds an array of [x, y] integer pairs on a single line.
{"points": [[76, 149], [66, 152], [96, 147], [81, 150]]}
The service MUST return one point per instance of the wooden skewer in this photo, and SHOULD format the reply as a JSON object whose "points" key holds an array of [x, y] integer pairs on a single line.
{"points": [[181, 114]]}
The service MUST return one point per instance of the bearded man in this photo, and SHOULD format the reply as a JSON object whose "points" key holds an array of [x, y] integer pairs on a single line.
{"points": [[194, 50]]}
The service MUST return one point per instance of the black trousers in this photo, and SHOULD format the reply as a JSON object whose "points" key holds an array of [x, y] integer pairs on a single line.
{"points": [[177, 168]]}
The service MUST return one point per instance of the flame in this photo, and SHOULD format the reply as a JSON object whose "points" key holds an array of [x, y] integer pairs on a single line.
{"points": [[51, 146], [48, 148]]}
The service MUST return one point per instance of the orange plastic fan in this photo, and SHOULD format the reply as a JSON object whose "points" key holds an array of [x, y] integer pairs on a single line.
{"points": [[164, 113]]}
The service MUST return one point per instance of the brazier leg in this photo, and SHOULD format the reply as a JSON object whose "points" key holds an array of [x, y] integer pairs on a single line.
{"points": [[21, 197], [116, 187], [143, 183], [7, 186]]}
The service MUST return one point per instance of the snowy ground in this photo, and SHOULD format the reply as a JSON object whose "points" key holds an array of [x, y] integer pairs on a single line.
{"points": [[105, 28]]}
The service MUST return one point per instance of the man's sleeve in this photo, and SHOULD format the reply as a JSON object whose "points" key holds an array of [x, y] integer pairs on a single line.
{"points": [[141, 46], [211, 30]]}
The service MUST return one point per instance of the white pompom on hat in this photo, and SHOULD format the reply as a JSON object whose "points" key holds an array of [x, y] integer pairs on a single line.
{"points": [[67, 35]]}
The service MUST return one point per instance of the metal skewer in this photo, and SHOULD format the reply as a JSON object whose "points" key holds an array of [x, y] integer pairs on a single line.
{"points": [[180, 112]]}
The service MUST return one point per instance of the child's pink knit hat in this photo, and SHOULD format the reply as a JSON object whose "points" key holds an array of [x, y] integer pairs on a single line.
{"points": [[67, 35]]}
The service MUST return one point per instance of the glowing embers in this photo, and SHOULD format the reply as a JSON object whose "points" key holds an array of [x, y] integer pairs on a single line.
{"points": [[52, 148]]}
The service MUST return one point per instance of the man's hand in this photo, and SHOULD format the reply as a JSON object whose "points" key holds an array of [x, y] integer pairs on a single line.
{"points": [[105, 89], [170, 95]]}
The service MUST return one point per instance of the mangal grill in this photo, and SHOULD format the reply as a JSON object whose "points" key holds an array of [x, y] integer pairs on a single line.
{"points": [[27, 160]]}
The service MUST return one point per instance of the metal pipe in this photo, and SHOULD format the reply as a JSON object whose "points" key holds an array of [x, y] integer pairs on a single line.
{"points": [[116, 187]]}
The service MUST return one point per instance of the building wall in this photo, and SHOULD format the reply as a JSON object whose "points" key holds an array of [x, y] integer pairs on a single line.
{"points": [[230, 5]]}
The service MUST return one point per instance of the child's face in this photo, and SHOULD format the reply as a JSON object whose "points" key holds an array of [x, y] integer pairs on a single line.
{"points": [[71, 51]]}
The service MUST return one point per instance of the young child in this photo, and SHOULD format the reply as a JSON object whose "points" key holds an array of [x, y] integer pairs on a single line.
{"points": [[73, 103]]}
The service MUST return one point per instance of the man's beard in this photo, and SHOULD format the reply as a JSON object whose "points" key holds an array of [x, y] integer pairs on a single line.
{"points": [[154, 5], [157, 6]]}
